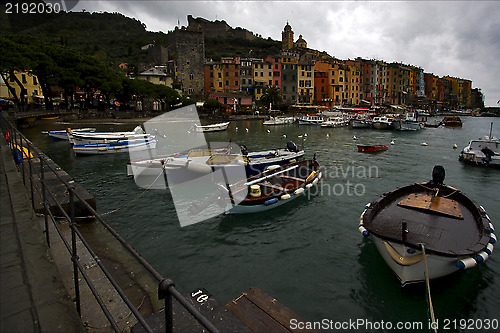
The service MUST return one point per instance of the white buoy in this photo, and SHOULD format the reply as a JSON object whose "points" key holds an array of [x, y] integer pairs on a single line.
{"points": [[392, 142], [284, 135], [354, 137], [327, 135], [299, 136], [236, 128], [423, 144], [200, 168], [455, 146], [305, 134], [246, 129], [466, 263], [268, 131]]}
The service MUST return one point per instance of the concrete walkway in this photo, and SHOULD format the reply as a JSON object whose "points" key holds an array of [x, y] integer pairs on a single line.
{"points": [[33, 297]]}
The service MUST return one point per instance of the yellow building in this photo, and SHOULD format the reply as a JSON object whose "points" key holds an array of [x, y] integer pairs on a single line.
{"points": [[158, 75], [337, 82], [305, 83], [454, 96], [467, 93], [262, 77], [464, 93], [352, 85], [435, 90], [30, 87], [214, 79]]}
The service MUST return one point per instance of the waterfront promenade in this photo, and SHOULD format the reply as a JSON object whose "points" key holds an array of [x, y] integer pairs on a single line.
{"points": [[33, 296], [38, 281]]}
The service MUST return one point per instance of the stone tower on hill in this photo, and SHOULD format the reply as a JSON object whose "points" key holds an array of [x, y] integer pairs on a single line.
{"points": [[218, 29], [287, 38], [187, 46]]}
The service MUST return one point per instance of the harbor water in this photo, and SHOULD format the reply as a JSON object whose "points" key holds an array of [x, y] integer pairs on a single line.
{"points": [[307, 254]]}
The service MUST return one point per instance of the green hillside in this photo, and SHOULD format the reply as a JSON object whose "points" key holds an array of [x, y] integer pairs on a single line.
{"points": [[114, 38]]}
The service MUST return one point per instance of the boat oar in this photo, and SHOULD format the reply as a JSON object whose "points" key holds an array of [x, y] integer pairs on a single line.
{"points": [[269, 176]]}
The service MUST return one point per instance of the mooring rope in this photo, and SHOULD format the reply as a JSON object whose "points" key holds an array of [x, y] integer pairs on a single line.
{"points": [[140, 195], [437, 190], [428, 290]]}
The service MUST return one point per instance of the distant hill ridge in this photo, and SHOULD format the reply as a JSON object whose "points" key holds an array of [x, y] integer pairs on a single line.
{"points": [[219, 29], [115, 38]]}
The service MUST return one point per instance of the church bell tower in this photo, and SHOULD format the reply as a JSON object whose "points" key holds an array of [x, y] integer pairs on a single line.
{"points": [[287, 38]]}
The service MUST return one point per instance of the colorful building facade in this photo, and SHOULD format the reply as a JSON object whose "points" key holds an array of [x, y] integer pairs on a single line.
{"points": [[307, 78], [26, 87]]}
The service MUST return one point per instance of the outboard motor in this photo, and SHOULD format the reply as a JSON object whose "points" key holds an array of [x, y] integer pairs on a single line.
{"points": [[292, 147], [438, 175], [488, 153], [244, 150]]}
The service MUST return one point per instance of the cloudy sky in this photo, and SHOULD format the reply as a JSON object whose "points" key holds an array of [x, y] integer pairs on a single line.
{"points": [[456, 38]]}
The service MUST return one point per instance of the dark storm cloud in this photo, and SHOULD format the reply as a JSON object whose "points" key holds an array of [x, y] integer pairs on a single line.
{"points": [[457, 38]]}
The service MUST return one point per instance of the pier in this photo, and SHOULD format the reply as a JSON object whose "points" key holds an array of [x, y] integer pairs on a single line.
{"points": [[62, 274]]}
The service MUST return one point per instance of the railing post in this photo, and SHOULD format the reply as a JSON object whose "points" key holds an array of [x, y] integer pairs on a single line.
{"points": [[31, 176], [74, 256], [20, 146], [164, 293], [44, 199]]}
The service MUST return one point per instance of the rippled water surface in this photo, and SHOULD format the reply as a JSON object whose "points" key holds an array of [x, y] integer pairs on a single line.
{"points": [[308, 254]]}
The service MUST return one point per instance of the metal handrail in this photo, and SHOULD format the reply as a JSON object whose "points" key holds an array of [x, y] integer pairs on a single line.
{"points": [[166, 287]]}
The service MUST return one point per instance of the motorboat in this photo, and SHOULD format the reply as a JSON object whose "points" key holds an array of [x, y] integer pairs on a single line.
{"points": [[371, 148], [82, 138], [410, 122], [452, 121], [428, 230], [335, 122], [276, 186], [311, 119], [114, 147], [362, 120], [433, 124], [155, 165], [63, 134], [278, 121], [382, 122], [185, 168], [210, 128], [189, 165], [483, 152]]}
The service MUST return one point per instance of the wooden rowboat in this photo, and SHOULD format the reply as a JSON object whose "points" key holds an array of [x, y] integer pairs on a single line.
{"points": [[275, 187], [428, 230]]}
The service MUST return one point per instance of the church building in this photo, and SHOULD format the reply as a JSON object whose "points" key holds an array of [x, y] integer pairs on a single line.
{"points": [[287, 39]]}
